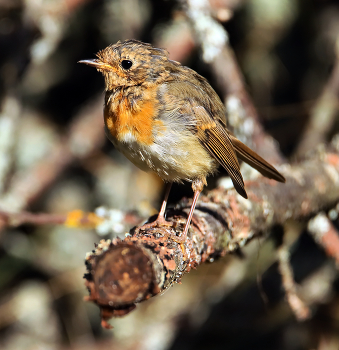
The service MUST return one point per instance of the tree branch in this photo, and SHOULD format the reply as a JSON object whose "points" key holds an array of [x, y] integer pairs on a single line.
{"points": [[122, 273]]}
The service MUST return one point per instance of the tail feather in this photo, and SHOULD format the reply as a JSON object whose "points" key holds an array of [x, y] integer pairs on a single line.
{"points": [[255, 161]]}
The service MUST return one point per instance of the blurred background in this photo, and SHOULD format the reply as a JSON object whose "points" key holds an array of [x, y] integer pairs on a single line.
{"points": [[55, 158]]}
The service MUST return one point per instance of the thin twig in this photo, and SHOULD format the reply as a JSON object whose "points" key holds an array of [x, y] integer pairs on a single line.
{"points": [[8, 126], [17, 219], [300, 309]]}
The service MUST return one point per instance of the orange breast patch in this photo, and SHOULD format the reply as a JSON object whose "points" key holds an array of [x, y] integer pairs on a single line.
{"points": [[138, 122]]}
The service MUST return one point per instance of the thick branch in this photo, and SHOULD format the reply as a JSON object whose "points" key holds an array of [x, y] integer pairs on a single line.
{"points": [[123, 273]]}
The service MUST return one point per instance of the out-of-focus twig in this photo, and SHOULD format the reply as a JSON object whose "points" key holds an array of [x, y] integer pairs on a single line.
{"points": [[318, 287], [223, 9], [75, 218], [104, 220], [8, 126], [326, 235], [323, 114], [328, 342], [299, 308], [177, 39], [146, 263], [17, 219], [217, 52]]}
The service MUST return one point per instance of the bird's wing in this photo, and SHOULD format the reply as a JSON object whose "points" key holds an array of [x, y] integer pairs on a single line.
{"points": [[215, 138], [196, 107]]}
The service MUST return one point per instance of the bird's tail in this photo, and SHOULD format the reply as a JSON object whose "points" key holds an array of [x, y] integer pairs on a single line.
{"points": [[254, 160]]}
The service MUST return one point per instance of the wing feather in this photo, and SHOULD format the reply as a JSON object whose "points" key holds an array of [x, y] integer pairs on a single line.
{"points": [[215, 139], [195, 100]]}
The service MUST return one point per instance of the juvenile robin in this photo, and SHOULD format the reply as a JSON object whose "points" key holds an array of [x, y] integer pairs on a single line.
{"points": [[166, 118]]}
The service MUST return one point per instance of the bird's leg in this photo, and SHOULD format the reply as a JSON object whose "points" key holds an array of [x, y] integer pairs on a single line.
{"points": [[197, 186], [160, 220], [161, 215]]}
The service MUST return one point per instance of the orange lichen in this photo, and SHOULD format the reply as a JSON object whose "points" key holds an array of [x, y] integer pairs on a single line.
{"points": [[80, 219]]}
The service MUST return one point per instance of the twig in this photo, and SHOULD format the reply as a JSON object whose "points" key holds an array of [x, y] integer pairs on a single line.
{"points": [[177, 40], [104, 220], [17, 219], [326, 235], [75, 218], [300, 309], [8, 125], [328, 341]]}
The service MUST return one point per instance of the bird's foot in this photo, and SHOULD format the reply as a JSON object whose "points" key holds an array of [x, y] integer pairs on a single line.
{"points": [[159, 222]]}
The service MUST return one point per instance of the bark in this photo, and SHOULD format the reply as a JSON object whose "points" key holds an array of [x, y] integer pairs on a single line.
{"points": [[122, 273]]}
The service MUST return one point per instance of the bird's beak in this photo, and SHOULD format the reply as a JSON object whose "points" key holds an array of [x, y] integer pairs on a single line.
{"points": [[96, 63]]}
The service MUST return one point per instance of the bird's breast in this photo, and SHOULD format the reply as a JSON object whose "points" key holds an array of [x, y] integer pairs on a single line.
{"points": [[156, 136], [131, 116]]}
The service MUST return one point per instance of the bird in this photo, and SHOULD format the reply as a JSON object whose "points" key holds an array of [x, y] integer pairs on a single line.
{"points": [[166, 118]]}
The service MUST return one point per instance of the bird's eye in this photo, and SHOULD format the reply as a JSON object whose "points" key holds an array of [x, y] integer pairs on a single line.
{"points": [[126, 64]]}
